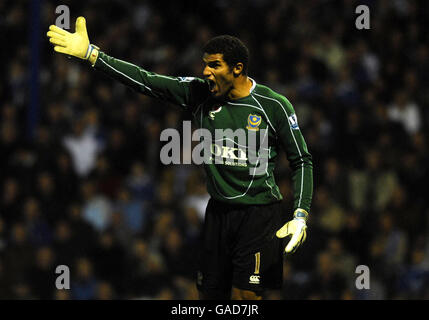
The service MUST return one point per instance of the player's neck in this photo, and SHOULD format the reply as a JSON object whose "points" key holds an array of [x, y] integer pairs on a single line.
{"points": [[241, 88]]}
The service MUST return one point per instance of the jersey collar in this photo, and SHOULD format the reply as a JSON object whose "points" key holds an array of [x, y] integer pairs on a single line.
{"points": [[253, 84]]}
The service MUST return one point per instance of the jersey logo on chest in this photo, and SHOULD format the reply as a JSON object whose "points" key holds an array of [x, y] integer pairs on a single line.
{"points": [[253, 122]]}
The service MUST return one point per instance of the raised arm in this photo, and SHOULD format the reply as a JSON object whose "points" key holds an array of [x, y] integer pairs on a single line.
{"points": [[183, 91]]}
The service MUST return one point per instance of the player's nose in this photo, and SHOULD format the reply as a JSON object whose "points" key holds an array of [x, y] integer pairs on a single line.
{"points": [[206, 72]]}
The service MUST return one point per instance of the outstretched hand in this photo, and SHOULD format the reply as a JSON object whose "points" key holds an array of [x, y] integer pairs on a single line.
{"points": [[74, 44]]}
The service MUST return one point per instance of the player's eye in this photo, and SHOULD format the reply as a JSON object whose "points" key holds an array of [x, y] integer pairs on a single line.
{"points": [[214, 65]]}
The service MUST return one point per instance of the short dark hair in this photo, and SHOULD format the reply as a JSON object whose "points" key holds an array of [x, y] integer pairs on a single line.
{"points": [[232, 48]]}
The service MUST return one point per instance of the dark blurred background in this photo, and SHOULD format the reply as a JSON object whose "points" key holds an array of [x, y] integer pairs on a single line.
{"points": [[81, 179]]}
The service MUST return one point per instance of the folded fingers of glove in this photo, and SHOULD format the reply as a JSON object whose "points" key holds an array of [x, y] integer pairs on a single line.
{"points": [[296, 240], [305, 236], [283, 231], [61, 49], [54, 35], [55, 29], [58, 41]]}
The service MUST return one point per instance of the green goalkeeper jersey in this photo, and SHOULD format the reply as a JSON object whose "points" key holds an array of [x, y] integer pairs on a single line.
{"points": [[263, 111]]}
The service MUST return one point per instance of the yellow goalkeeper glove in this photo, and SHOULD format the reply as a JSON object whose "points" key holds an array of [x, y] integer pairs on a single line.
{"points": [[297, 228], [73, 44]]}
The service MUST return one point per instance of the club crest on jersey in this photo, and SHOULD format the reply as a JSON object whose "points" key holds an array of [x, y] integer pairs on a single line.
{"points": [[253, 122], [293, 122]]}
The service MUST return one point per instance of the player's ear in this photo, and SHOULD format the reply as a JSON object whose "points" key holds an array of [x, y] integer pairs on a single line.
{"points": [[238, 69]]}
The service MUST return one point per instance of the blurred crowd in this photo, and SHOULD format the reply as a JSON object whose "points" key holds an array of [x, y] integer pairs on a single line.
{"points": [[86, 188]]}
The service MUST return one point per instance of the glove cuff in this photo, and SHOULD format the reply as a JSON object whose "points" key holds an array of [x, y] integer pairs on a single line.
{"points": [[300, 214], [92, 54], [89, 51]]}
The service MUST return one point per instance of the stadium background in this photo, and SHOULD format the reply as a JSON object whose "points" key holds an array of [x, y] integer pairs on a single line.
{"points": [[82, 183]]}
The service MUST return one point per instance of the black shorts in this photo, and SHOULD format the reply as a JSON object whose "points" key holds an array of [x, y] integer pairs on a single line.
{"points": [[239, 248]]}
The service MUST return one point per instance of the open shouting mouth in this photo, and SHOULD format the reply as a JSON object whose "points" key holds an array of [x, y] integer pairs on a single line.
{"points": [[212, 86]]}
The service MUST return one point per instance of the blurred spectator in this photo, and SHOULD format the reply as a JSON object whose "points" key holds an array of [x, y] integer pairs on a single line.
{"points": [[10, 200], [105, 292], [64, 244], [47, 196], [388, 251], [42, 277], [19, 256], [415, 278], [108, 181], [390, 244], [62, 295], [329, 50], [3, 236], [83, 148], [179, 259], [133, 210], [328, 282], [345, 263], [21, 290], [84, 283], [97, 209], [84, 233], [372, 189], [334, 180], [193, 225], [140, 183], [66, 179], [296, 284], [8, 142], [4, 287], [331, 216], [118, 151], [405, 112], [148, 273], [356, 235], [38, 229], [109, 260]]}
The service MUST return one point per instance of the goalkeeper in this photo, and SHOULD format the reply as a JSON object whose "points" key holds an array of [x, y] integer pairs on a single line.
{"points": [[242, 249]]}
